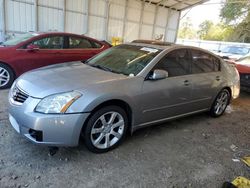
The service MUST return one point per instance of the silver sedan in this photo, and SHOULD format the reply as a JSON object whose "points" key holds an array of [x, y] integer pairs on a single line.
{"points": [[124, 88]]}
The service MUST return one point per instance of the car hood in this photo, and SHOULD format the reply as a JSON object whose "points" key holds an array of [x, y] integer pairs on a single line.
{"points": [[2, 47], [64, 77]]}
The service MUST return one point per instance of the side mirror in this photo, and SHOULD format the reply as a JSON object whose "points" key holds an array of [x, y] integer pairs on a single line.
{"points": [[32, 48], [158, 74]]}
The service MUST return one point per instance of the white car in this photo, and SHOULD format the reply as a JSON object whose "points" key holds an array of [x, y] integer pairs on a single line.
{"points": [[233, 52]]}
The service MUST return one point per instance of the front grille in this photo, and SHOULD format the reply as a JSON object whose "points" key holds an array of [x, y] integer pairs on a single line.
{"points": [[18, 95]]}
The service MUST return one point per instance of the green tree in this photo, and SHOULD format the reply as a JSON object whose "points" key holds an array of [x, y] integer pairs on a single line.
{"points": [[186, 30], [204, 29], [237, 15], [210, 31]]}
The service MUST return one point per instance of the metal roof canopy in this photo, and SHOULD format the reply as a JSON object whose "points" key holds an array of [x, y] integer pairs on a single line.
{"points": [[178, 5], [102, 19]]}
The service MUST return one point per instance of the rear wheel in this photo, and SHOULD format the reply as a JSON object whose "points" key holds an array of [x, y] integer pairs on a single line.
{"points": [[106, 129], [220, 104], [7, 76]]}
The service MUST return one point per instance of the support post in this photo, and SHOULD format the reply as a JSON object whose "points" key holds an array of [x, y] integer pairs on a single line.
{"points": [[107, 8], [2, 17], [166, 29], [125, 20], [141, 18], [64, 15], [154, 24], [177, 29], [87, 7], [36, 15], [156, 13]]}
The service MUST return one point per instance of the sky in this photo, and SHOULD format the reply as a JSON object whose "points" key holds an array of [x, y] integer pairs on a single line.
{"points": [[207, 11]]}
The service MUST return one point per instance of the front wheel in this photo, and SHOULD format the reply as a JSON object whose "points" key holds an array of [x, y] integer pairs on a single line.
{"points": [[106, 129], [7, 76], [220, 103]]}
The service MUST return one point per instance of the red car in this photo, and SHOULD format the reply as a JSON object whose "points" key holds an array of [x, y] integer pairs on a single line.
{"points": [[33, 50], [243, 67]]}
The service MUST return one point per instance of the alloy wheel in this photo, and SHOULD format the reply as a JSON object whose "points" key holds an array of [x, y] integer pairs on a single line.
{"points": [[4, 77], [107, 130], [221, 102]]}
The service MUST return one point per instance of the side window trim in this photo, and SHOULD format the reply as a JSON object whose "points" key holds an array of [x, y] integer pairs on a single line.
{"points": [[24, 47], [214, 60]]}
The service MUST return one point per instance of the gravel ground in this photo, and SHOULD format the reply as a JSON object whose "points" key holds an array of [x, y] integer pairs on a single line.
{"points": [[196, 151]]}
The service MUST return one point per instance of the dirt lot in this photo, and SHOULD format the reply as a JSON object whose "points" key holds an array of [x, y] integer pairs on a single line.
{"points": [[191, 152]]}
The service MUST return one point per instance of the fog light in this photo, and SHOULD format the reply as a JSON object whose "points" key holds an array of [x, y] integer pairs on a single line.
{"points": [[37, 135]]}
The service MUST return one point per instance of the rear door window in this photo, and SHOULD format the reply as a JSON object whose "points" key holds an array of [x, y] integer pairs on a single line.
{"points": [[95, 44], [79, 43], [203, 62]]}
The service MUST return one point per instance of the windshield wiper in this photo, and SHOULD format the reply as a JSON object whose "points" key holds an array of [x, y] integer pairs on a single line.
{"points": [[106, 69], [102, 67]]}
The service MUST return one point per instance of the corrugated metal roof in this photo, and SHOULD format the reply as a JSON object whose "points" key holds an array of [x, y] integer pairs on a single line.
{"points": [[176, 4]]}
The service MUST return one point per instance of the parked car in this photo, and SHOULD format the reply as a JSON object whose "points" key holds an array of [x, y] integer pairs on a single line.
{"points": [[233, 52], [33, 50], [243, 66], [124, 88]]}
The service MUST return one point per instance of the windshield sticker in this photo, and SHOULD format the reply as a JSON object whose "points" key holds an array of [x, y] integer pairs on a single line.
{"points": [[151, 50]]}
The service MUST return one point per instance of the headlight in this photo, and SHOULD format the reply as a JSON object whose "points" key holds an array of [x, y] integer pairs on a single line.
{"points": [[58, 103]]}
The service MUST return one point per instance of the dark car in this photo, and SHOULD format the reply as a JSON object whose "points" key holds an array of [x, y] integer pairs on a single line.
{"points": [[33, 50]]}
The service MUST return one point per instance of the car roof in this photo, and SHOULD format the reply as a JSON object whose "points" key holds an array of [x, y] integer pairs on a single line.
{"points": [[52, 32], [154, 44], [171, 46]]}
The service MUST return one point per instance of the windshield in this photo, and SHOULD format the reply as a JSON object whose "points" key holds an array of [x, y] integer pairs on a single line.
{"points": [[124, 59], [18, 39], [236, 50]]}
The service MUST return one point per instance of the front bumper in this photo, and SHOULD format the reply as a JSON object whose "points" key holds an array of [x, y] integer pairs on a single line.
{"points": [[46, 129]]}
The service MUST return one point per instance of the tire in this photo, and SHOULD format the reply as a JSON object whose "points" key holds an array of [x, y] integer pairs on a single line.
{"points": [[220, 103], [105, 129], [7, 76]]}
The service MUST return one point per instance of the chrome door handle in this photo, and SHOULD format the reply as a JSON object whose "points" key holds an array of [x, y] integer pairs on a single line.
{"points": [[217, 78]]}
